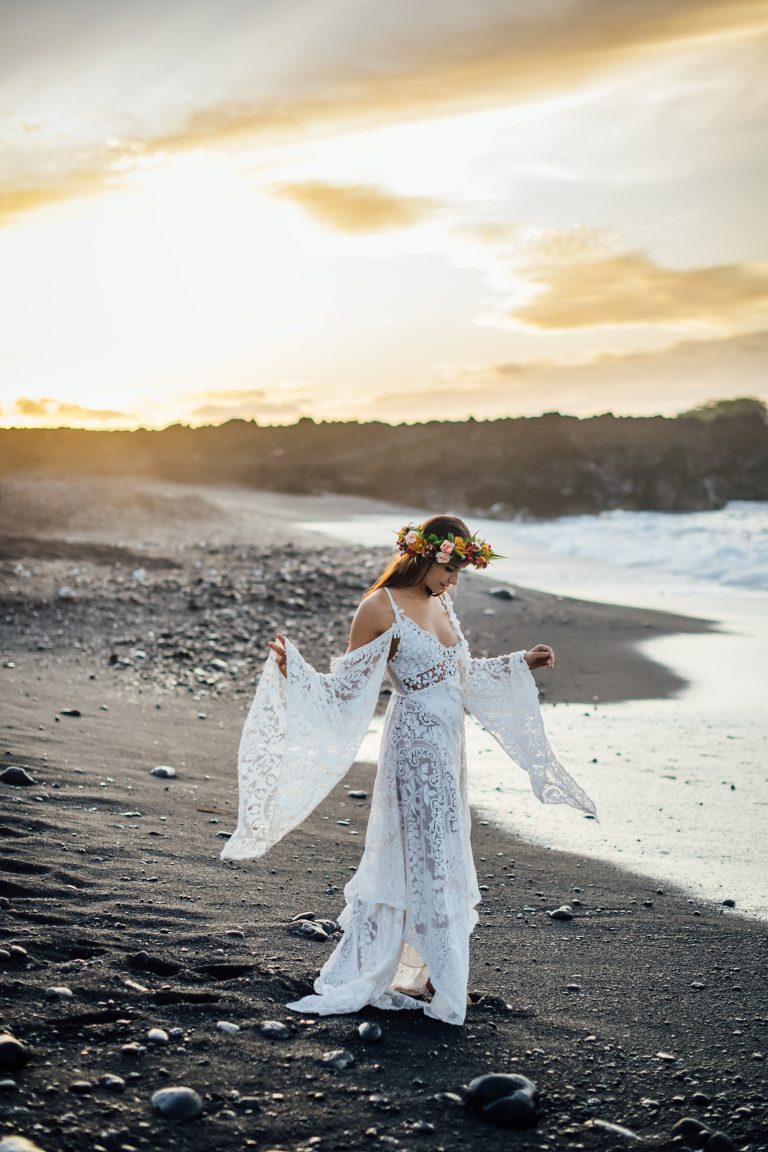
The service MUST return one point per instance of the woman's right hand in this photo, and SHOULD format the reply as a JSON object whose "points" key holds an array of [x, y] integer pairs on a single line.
{"points": [[278, 647]]}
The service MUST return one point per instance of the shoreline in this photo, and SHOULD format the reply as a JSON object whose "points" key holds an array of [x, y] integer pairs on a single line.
{"points": [[56, 530], [115, 888], [116, 891]]}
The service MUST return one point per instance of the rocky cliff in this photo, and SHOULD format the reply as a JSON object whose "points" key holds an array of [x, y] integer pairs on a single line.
{"points": [[543, 466]]}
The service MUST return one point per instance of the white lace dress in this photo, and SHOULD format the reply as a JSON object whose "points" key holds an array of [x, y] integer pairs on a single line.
{"points": [[411, 905]]}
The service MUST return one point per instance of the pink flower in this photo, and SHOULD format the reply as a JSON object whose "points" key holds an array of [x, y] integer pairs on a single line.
{"points": [[442, 557], [411, 537], [447, 546]]}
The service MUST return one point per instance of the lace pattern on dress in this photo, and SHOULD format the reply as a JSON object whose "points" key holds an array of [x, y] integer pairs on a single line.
{"points": [[299, 739], [411, 905], [434, 675]]}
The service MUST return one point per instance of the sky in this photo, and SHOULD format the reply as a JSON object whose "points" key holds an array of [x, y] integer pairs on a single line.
{"points": [[343, 209]]}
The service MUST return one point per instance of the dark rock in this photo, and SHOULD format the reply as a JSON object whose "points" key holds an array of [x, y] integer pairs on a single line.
{"points": [[729, 902], [562, 913], [422, 1128], [302, 916], [81, 1087], [274, 1030], [369, 1031], [59, 992], [502, 593], [16, 775], [357, 794], [514, 1111], [690, 1128], [143, 962], [495, 1085], [719, 1142], [177, 1103], [70, 712], [13, 1054], [164, 771]]}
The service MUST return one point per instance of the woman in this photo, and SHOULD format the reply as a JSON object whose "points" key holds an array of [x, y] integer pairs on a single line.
{"points": [[411, 905]]}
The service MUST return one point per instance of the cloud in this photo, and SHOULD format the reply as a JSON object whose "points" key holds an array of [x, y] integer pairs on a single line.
{"points": [[578, 277], [47, 409], [435, 59], [357, 207], [247, 404], [493, 54], [630, 288], [70, 185], [666, 380]]}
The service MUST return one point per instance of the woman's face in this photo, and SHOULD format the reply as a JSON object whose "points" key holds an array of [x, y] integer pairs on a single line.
{"points": [[440, 577]]}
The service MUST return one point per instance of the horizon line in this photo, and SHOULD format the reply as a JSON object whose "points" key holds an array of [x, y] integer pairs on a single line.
{"points": [[708, 406]]}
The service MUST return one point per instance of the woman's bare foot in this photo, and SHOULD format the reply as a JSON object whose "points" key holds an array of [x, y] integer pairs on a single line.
{"points": [[431, 990]]}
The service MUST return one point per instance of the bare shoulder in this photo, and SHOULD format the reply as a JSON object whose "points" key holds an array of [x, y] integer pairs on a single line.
{"points": [[375, 610], [372, 618]]}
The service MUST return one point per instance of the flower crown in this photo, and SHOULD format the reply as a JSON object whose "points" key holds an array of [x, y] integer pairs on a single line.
{"points": [[452, 550]]}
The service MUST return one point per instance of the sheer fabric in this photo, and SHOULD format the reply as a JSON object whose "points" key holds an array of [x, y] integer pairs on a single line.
{"points": [[411, 905]]}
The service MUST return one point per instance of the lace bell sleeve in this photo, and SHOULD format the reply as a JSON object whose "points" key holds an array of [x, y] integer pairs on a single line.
{"points": [[502, 694], [299, 739]]}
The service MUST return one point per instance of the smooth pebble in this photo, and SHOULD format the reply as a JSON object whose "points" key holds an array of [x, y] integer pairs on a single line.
{"points": [[274, 1030], [177, 1103], [339, 1058], [13, 1054]]}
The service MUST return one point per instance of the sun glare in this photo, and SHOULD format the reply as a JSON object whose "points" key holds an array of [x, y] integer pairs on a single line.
{"points": [[183, 268]]}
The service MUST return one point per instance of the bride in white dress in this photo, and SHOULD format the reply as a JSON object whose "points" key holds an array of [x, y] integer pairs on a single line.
{"points": [[411, 905]]}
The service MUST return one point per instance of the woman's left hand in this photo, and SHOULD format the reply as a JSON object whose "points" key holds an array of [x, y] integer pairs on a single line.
{"points": [[542, 656]]}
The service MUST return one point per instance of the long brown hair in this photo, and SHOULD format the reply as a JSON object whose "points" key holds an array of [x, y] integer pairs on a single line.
{"points": [[405, 571]]}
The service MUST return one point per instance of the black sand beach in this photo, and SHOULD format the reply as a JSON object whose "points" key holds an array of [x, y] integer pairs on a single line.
{"points": [[644, 1009]]}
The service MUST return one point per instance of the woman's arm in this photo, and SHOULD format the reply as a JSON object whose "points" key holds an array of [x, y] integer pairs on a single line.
{"points": [[372, 618]]}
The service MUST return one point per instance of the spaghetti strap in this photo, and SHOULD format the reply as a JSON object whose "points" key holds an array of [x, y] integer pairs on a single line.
{"points": [[397, 611], [391, 600]]}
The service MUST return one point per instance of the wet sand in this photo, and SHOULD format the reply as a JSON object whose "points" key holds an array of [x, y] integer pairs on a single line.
{"points": [[643, 1009]]}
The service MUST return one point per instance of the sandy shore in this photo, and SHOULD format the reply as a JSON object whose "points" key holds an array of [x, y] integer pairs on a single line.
{"points": [[644, 1009]]}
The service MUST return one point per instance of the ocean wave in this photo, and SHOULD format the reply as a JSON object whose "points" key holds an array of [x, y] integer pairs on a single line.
{"points": [[727, 547]]}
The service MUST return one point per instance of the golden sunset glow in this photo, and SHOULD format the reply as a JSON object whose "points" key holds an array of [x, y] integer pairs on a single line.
{"points": [[268, 211]]}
